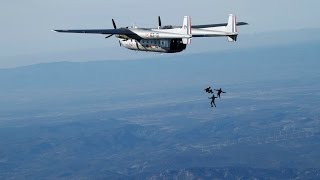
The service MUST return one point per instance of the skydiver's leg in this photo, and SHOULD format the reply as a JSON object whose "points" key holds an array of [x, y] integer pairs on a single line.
{"points": [[214, 104], [211, 103]]}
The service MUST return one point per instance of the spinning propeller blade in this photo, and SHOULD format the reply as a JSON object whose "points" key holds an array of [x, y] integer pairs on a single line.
{"points": [[159, 21], [114, 26], [109, 36]]}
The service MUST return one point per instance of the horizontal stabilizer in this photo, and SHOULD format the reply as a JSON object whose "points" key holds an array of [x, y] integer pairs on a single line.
{"points": [[232, 38]]}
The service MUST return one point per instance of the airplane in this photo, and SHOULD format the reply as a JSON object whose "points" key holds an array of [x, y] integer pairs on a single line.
{"points": [[165, 39]]}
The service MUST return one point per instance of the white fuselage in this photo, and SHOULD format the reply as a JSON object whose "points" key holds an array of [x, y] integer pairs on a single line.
{"points": [[153, 45], [159, 33]]}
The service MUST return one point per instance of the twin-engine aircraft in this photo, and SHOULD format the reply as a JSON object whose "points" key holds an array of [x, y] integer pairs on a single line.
{"points": [[165, 39]]}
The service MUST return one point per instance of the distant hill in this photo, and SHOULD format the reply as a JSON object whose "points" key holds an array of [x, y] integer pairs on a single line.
{"points": [[228, 67]]}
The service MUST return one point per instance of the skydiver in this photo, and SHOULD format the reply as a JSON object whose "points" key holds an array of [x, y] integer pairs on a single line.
{"points": [[219, 92], [212, 100], [208, 90]]}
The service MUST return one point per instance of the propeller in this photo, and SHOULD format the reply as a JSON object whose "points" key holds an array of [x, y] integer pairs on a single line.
{"points": [[159, 21], [114, 26], [163, 27], [108, 36]]}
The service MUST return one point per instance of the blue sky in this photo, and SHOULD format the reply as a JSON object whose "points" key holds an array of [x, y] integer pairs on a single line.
{"points": [[26, 37]]}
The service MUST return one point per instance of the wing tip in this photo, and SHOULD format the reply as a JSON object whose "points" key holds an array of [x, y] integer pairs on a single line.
{"points": [[58, 30], [242, 23]]}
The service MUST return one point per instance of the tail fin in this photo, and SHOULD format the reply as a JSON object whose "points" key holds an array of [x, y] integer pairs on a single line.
{"points": [[232, 28], [186, 29]]}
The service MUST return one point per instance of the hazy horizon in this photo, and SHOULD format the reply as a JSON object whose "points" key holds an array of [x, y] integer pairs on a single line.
{"points": [[199, 45]]}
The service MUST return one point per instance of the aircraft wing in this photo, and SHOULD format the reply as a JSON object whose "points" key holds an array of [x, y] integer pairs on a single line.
{"points": [[121, 31], [217, 25]]}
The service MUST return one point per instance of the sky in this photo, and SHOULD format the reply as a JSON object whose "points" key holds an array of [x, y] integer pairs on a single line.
{"points": [[26, 36]]}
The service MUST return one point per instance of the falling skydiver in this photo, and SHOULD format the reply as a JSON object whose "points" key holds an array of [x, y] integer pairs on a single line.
{"points": [[208, 90], [212, 100], [219, 92]]}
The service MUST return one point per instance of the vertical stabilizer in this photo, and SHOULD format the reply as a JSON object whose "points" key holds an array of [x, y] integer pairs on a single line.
{"points": [[231, 28], [186, 29]]}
